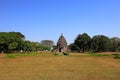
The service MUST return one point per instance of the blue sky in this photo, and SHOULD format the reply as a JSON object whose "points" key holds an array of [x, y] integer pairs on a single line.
{"points": [[47, 19]]}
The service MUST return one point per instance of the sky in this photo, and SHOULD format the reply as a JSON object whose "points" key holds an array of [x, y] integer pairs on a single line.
{"points": [[48, 19]]}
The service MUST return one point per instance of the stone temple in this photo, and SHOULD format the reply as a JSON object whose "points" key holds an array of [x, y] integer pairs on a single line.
{"points": [[62, 44]]}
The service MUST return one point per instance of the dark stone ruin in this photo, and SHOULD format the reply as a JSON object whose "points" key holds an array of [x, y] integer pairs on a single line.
{"points": [[62, 44]]}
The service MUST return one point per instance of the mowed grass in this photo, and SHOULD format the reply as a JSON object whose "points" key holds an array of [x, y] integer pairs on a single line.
{"points": [[72, 67]]}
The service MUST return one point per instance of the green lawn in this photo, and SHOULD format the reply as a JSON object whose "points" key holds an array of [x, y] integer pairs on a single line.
{"points": [[50, 67]]}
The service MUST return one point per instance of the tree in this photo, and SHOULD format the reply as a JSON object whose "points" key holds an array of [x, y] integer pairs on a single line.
{"points": [[48, 43], [114, 44], [12, 46], [73, 47], [44, 48], [118, 48], [28, 46], [83, 42], [9, 41], [100, 43], [18, 34]]}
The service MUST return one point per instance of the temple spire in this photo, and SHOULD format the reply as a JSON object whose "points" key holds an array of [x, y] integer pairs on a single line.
{"points": [[62, 43]]}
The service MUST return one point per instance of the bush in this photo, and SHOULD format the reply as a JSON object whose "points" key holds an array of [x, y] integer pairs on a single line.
{"points": [[117, 56], [10, 56], [55, 54], [65, 53]]}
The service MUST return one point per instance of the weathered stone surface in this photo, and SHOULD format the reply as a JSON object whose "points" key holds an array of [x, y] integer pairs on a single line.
{"points": [[62, 44]]}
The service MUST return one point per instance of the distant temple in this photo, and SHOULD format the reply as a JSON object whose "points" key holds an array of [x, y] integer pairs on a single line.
{"points": [[62, 44]]}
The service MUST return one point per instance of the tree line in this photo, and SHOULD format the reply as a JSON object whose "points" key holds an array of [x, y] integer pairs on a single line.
{"points": [[15, 42], [98, 43]]}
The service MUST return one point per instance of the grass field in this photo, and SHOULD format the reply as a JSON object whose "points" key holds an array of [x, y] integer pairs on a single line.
{"points": [[50, 67]]}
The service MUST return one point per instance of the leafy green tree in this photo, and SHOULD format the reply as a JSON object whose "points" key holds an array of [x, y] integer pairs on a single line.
{"points": [[9, 41], [19, 38], [83, 42], [34, 46], [114, 44], [44, 48], [18, 34], [100, 43], [27, 47], [13, 46], [73, 47], [118, 48], [48, 43]]}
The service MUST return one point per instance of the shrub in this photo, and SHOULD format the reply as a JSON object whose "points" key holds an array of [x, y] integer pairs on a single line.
{"points": [[55, 54], [117, 56], [10, 56], [65, 53]]}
